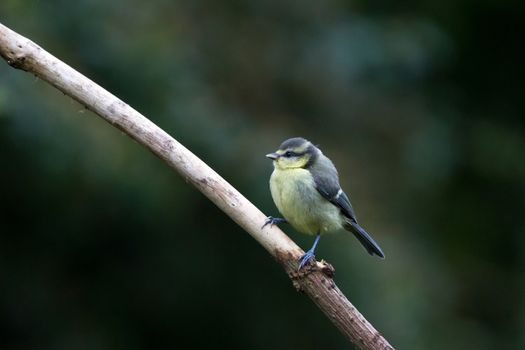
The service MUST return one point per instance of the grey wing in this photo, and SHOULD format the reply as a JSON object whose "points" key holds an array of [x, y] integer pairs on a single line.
{"points": [[327, 184], [343, 202]]}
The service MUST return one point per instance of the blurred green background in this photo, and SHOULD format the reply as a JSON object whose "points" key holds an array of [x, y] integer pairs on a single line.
{"points": [[419, 103]]}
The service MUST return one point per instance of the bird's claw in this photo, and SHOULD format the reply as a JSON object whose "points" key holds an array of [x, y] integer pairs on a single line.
{"points": [[305, 258], [270, 220]]}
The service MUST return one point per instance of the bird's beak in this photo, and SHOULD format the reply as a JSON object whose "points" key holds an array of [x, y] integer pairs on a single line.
{"points": [[272, 156]]}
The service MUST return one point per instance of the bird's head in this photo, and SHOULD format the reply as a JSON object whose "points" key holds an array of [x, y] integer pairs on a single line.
{"points": [[294, 153]]}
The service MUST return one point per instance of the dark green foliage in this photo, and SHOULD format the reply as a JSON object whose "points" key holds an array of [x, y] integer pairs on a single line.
{"points": [[420, 104]]}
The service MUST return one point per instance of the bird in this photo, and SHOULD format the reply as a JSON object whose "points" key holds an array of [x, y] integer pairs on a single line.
{"points": [[305, 189]]}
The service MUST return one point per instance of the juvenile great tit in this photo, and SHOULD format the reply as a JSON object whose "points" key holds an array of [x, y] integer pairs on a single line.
{"points": [[305, 188]]}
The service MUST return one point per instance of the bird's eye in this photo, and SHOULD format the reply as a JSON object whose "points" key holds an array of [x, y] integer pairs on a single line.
{"points": [[289, 154]]}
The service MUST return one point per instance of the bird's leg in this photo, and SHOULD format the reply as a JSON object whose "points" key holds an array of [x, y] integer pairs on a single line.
{"points": [[309, 254], [273, 221]]}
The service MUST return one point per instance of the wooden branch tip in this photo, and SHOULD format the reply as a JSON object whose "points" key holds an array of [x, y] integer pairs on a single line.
{"points": [[316, 281]]}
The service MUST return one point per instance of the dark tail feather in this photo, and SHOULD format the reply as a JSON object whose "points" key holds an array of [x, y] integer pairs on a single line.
{"points": [[365, 239]]}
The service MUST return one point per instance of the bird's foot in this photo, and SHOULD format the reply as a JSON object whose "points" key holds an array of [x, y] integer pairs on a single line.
{"points": [[273, 221], [305, 258]]}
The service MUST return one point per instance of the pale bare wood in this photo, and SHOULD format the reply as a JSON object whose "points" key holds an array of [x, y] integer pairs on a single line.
{"points": [[315, 280]]}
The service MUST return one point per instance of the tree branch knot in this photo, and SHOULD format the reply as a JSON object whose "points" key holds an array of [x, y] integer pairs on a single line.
{"points": [[17, 61]]}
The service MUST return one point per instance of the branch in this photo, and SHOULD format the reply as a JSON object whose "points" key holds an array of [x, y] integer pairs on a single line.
{"points": [[315, 280]]}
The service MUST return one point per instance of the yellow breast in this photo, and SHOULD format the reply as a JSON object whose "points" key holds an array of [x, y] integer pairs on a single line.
{"points": [[296, 197]]}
